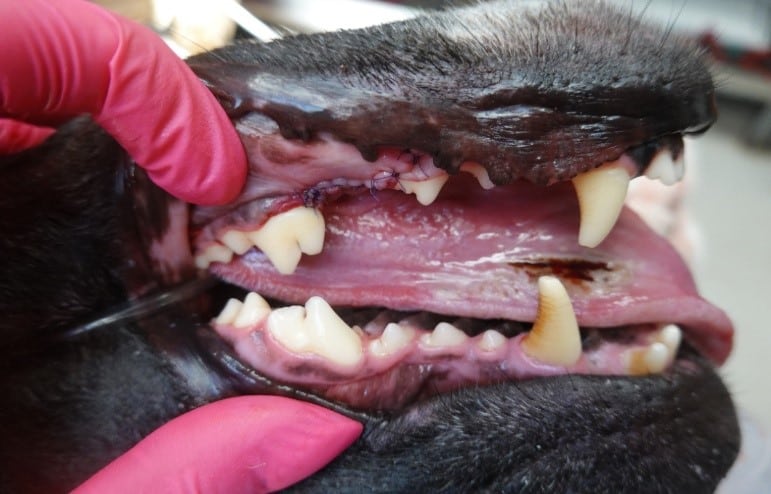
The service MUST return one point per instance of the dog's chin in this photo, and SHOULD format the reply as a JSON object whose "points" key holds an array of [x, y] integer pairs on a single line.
{"points": [[674, 432]]}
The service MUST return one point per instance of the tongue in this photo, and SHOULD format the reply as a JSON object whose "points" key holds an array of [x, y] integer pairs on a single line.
{"points": [[476, 253]]}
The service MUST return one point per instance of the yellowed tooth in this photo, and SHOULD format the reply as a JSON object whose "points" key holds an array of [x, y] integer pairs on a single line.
{"points": [[666, 169], [393, 339], [213, 253], [286, 236], [316, 329], [656, 357], [236, 241], [254, 310], [555, 338], [444, 335], [426, 191], [480, 172], [229, 312], [491, 340], [671, 336], [601, 193]]}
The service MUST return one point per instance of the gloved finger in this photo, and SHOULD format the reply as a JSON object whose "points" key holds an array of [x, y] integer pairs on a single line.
{"points": [[248, 444], [67, 57], [16, 136]]}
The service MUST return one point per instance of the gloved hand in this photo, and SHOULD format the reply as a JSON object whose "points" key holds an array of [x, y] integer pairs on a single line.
{"points": [[249, 444], [63, 58]]}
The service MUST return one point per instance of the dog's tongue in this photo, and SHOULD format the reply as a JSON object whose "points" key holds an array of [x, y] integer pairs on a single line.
{"points": [[478, 254]]}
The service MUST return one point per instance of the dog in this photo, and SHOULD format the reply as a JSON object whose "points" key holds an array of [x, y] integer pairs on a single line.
{"points": [[510, 328]]}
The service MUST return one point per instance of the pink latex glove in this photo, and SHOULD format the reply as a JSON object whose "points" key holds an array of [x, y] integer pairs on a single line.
{"points": [[249, 444], [63, 58]]}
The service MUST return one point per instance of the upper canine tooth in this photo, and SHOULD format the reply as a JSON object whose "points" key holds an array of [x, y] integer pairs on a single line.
{"points": [[665, 168], [671, 336], [316, 329], [480, 172], [426, 191], [555, 338], [286, 236], [601, 193], [444, 334], [236, 241], [254, 309]]}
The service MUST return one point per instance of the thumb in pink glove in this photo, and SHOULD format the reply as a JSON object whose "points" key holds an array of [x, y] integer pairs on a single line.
{"points": [[64, 58], [249, 444]]}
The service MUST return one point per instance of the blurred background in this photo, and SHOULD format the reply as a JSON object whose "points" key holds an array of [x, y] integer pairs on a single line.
{"points": [[729, 168]]}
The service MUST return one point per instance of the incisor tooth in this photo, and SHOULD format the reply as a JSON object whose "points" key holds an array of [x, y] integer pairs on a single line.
{"points": [[555, 338], [425, 190], [236, 241], [491, 340], [316, 329], [229, 312], [444, 335], [601, 193], [254, 309], [666, 169], [393, 339], [480, 172], [286, 236]]}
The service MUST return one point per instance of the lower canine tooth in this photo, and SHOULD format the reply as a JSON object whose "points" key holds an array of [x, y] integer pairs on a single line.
{"points": [[444, 335], [491, 340], [601, 193], [254, 309], [555, 338], [286, 236], [426, 191], [316, 329], [656, 357]]}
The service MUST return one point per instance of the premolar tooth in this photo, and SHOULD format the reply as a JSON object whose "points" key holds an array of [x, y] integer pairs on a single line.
{"points": [[286, 236], [444, 335], [656, 357], [254, 309], [555, 338], [601, 193], [316, 329], [236, 241], [393, 339], [426, 191], [491, 340], [213, 253], [480, 172], [666, 169], [229, 312]]}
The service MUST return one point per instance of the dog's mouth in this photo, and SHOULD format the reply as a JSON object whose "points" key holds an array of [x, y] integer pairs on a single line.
{"points": [[464, 225], [465, 284]]}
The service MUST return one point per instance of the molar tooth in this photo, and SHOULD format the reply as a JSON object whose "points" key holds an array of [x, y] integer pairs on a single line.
{"points": [[666, 169], [393, 339], [229, 312], [254, 309], [671, 336], [601, 193], [426, 191], [237, 241], [555, 338], [444, 335], [316, 329], [286, 236], [491, 340], [656, 357], [480, 172]]}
